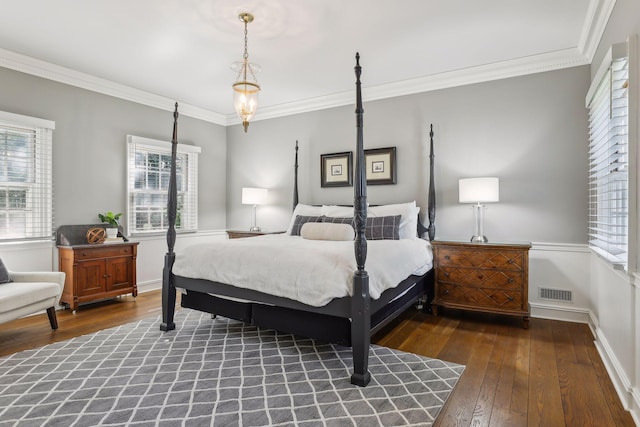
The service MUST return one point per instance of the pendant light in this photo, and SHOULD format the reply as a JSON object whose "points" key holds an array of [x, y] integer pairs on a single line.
{"points": [[245, 88]]}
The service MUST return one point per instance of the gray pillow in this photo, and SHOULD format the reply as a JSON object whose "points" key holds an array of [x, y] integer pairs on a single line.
{"points": [[4, 273], [383, 228], [301, 220]]}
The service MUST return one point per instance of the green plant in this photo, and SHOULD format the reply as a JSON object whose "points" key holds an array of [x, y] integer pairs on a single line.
{"points": [[110, 218]]}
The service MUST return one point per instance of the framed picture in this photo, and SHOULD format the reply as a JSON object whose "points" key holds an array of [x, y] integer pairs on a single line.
{"points": [[336, 169], [380, 165]]}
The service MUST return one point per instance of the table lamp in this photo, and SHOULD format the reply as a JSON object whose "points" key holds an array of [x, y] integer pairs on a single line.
{"points": [[479, 191], [254, 196]]}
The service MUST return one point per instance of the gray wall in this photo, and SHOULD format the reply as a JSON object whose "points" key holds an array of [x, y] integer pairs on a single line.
{"points": [[89, 146], [529, 131]]}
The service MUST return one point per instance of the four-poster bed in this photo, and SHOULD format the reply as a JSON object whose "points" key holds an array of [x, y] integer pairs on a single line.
{"points": [[348, 320]]}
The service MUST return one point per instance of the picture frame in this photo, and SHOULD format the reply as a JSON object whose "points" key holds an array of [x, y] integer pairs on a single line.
{"points": [[336, 169], [380, 164]]}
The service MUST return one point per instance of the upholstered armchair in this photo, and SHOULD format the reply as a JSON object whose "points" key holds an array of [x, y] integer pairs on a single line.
{"points": [[29, 292]]}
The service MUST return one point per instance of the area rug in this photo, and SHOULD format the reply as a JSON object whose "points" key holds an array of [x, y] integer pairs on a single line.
{"points": [[215, 372]]}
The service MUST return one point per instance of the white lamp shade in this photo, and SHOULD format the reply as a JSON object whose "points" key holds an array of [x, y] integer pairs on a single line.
{"points": [[254, 196], [479, 190]]}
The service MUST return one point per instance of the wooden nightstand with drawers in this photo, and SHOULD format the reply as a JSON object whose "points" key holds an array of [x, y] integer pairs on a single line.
{"points": [[486, 277]]}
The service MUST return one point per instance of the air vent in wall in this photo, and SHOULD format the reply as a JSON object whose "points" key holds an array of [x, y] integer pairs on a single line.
{"points": [[555, 294]]}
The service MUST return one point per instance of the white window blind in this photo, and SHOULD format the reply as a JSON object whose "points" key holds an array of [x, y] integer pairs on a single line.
{"points": [[608, 104], [26, 187], [149, 167]]}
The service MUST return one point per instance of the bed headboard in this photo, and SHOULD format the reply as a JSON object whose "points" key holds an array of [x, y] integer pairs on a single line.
{"points": [[430, 229]]}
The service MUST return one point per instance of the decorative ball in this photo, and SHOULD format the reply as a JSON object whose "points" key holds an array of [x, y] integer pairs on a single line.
{"points": [[96, 235]]}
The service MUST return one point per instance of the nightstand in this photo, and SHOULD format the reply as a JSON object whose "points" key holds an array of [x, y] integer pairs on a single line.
{"points": [[238, 234], [486, 277]]}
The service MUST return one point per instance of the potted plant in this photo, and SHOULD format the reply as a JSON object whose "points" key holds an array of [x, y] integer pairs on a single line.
{"points": [[111, 219]]}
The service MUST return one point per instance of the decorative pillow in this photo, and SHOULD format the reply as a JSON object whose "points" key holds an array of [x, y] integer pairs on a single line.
{"points": [[339, 220], [306, 210], [383, 228], [408, 211], [327, 231], [301, 220], [4, 273], [376, 228]]}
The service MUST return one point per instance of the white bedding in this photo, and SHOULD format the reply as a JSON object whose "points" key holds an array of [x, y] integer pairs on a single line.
{"points": [[310, 271]]}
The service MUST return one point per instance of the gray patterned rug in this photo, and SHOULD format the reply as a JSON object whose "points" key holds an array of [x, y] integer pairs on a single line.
{"points": [[215, 373]]}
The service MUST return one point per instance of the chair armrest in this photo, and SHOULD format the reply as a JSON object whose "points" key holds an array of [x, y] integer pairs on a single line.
{"points": [[39, 276]]}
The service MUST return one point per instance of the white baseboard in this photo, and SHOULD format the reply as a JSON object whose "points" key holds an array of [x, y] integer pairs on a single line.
{"points": [[635, 409], [629, 396], [149, 285], [554, 312]]}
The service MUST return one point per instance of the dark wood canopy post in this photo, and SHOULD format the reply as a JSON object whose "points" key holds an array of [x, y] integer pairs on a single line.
{"points": [[360, 304], [432, 193], [295, 180], [168, 287]]}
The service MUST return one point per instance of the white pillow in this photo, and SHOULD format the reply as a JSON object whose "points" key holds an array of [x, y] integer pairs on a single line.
{"points": [[408, 222], [303, 210], [337, 211], [327, 231]]}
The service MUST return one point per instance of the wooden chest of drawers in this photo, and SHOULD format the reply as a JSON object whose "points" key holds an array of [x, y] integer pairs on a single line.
{"points": [[487, 277], [96, 272]]}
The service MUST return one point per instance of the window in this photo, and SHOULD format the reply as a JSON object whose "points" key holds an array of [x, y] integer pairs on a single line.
{"points": [[609, 158], [26, 190], [149, 167]]}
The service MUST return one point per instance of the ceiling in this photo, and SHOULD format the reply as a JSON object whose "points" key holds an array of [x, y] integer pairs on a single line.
{"points": [[157, 51]]}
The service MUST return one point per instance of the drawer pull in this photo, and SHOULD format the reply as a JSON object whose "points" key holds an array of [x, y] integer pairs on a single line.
{"points": [[104, 277], [510, 261], [480, 276], [447, 257], [446, 274], [510, 298], [445, 292], [84, 254], [510, 280]]}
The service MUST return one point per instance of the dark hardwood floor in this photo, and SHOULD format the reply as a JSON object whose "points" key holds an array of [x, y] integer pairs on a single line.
{"points": [[547, 375]]}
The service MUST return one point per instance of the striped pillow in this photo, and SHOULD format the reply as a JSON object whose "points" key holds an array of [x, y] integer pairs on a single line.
{"points": [[376, 228]]}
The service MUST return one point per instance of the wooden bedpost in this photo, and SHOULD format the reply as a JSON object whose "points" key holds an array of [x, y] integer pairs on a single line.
{"points": [[360, 304], [168, 287], [432, 194], [295, 180]]}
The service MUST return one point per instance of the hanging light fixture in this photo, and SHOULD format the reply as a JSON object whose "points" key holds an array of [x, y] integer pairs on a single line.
{"points": [[246, 88]]}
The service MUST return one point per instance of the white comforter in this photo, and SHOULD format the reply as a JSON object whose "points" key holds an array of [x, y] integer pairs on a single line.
{"points": [[310, 271]]}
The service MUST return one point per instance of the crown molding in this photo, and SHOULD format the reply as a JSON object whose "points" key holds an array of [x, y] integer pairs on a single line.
{"points": [[595, 23], [26, 64], [566, 58]]}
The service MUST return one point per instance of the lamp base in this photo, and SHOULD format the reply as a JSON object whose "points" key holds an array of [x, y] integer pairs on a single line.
{"points": [[255, 228], [479, 239]]}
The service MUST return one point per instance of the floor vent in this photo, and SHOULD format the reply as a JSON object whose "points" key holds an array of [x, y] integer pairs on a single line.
{"points": [[555, 294]]}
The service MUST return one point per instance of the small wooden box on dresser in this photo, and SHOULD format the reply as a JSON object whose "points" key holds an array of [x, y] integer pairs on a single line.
{"points": [[97, 271], [486, 277]]}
